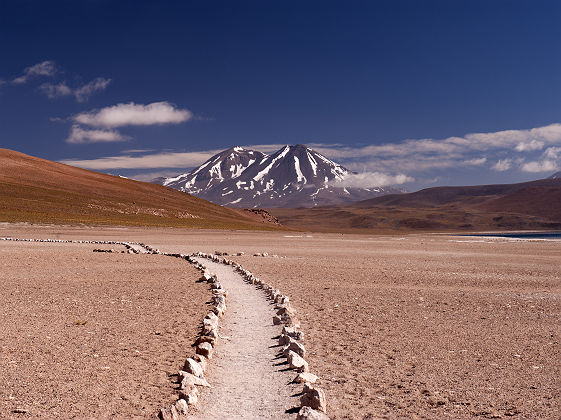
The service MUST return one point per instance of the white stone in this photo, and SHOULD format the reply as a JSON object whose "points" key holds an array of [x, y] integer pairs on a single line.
{"points": [[194, 368], [308, 413], [296, 362]]}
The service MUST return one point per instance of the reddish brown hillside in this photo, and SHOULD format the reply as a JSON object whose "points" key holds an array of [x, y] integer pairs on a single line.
{"points": [[38, 190], [530, 205]]}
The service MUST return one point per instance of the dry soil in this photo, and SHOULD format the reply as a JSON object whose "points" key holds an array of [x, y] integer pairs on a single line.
{"points": [[419, 326]]}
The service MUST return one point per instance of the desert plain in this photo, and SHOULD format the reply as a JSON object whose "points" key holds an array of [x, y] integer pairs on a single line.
{"points": [[397, 326]]}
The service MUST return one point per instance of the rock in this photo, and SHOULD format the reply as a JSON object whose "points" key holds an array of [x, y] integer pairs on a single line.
{"points": [[220, 292], [296, 362], [182, 407], [308, 413], [219, 309], [205, 339], [296, 347], [277, 320], [304, 377], [285, 339], [313, 397], [190, 395], [201, 360], [293, 332], [211, 323], [168, 414], [285, 309], [194, 368], [218, 299], [289, 320], [209, 331], [205, 349], [187, 379]]}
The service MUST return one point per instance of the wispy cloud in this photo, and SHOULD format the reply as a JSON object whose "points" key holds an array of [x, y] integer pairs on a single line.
{"points": [[157, 113], [80, 136], [540, 166], [81, 93], [417, 155], [502, 165], [45, 68], [157, 160], [372, 179], [150, 176], [499, 151], [548, 162]]}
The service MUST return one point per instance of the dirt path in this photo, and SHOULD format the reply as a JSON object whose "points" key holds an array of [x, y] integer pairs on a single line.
{"points": [[248, 380]]}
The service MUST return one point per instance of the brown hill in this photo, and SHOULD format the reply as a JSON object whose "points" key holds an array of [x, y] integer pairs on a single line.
{"points": [[38, 190], [529, 205]]}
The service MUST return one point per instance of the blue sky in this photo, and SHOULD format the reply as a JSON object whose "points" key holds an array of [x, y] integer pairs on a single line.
{"points": [[143, 88]]}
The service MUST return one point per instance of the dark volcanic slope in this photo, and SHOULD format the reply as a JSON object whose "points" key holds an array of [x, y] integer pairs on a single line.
{"points": [[38, 190], [530, 205]]}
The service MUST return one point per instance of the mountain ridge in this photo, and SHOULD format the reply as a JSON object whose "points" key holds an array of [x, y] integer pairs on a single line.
{"points": [[521, 206], [38, 190], [293, 176]]}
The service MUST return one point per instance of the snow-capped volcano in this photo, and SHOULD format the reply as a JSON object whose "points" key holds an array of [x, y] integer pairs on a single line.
{"points": [[295, 176]]}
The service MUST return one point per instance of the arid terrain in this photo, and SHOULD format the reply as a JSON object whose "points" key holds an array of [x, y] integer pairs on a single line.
{"points": [[523, 206], [92, 335], [417, 326], [41, 191]]}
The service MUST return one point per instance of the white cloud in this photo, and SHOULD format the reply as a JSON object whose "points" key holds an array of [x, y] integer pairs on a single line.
{"points": [[417, 155], [475, 162], [540, 166], [81, 93], [80, 136], [157, 113], [502, 165], [529, 146], [55, 91], [372, 179], [552, 153], [46, 68], [150, 176], [157, 160], [548, 162]]}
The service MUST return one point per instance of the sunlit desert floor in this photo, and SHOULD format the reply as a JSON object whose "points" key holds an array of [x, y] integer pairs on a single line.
{"points": [[417, 326]]}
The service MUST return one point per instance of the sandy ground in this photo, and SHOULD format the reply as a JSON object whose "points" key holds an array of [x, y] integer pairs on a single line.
{"points": [[141, 315], [405, 327], [248, 377]]}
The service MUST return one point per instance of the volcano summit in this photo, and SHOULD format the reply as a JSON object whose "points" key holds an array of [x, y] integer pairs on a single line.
{"points": [[294, 176]]}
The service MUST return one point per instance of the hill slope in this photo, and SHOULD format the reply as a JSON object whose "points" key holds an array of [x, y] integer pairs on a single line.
{"points": [[38, 190], [529, 205], [294, 176]]}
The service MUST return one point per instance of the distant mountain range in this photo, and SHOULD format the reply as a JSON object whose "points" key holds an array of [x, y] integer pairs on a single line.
{"points": [[556, 175], [294, 176], [522, 206]]}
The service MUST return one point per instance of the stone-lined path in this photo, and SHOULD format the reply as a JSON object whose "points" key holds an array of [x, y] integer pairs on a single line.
{"points": [[248, 378]]}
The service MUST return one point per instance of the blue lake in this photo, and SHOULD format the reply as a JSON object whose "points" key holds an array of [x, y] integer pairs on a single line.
{"points": [[522, 235]]}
